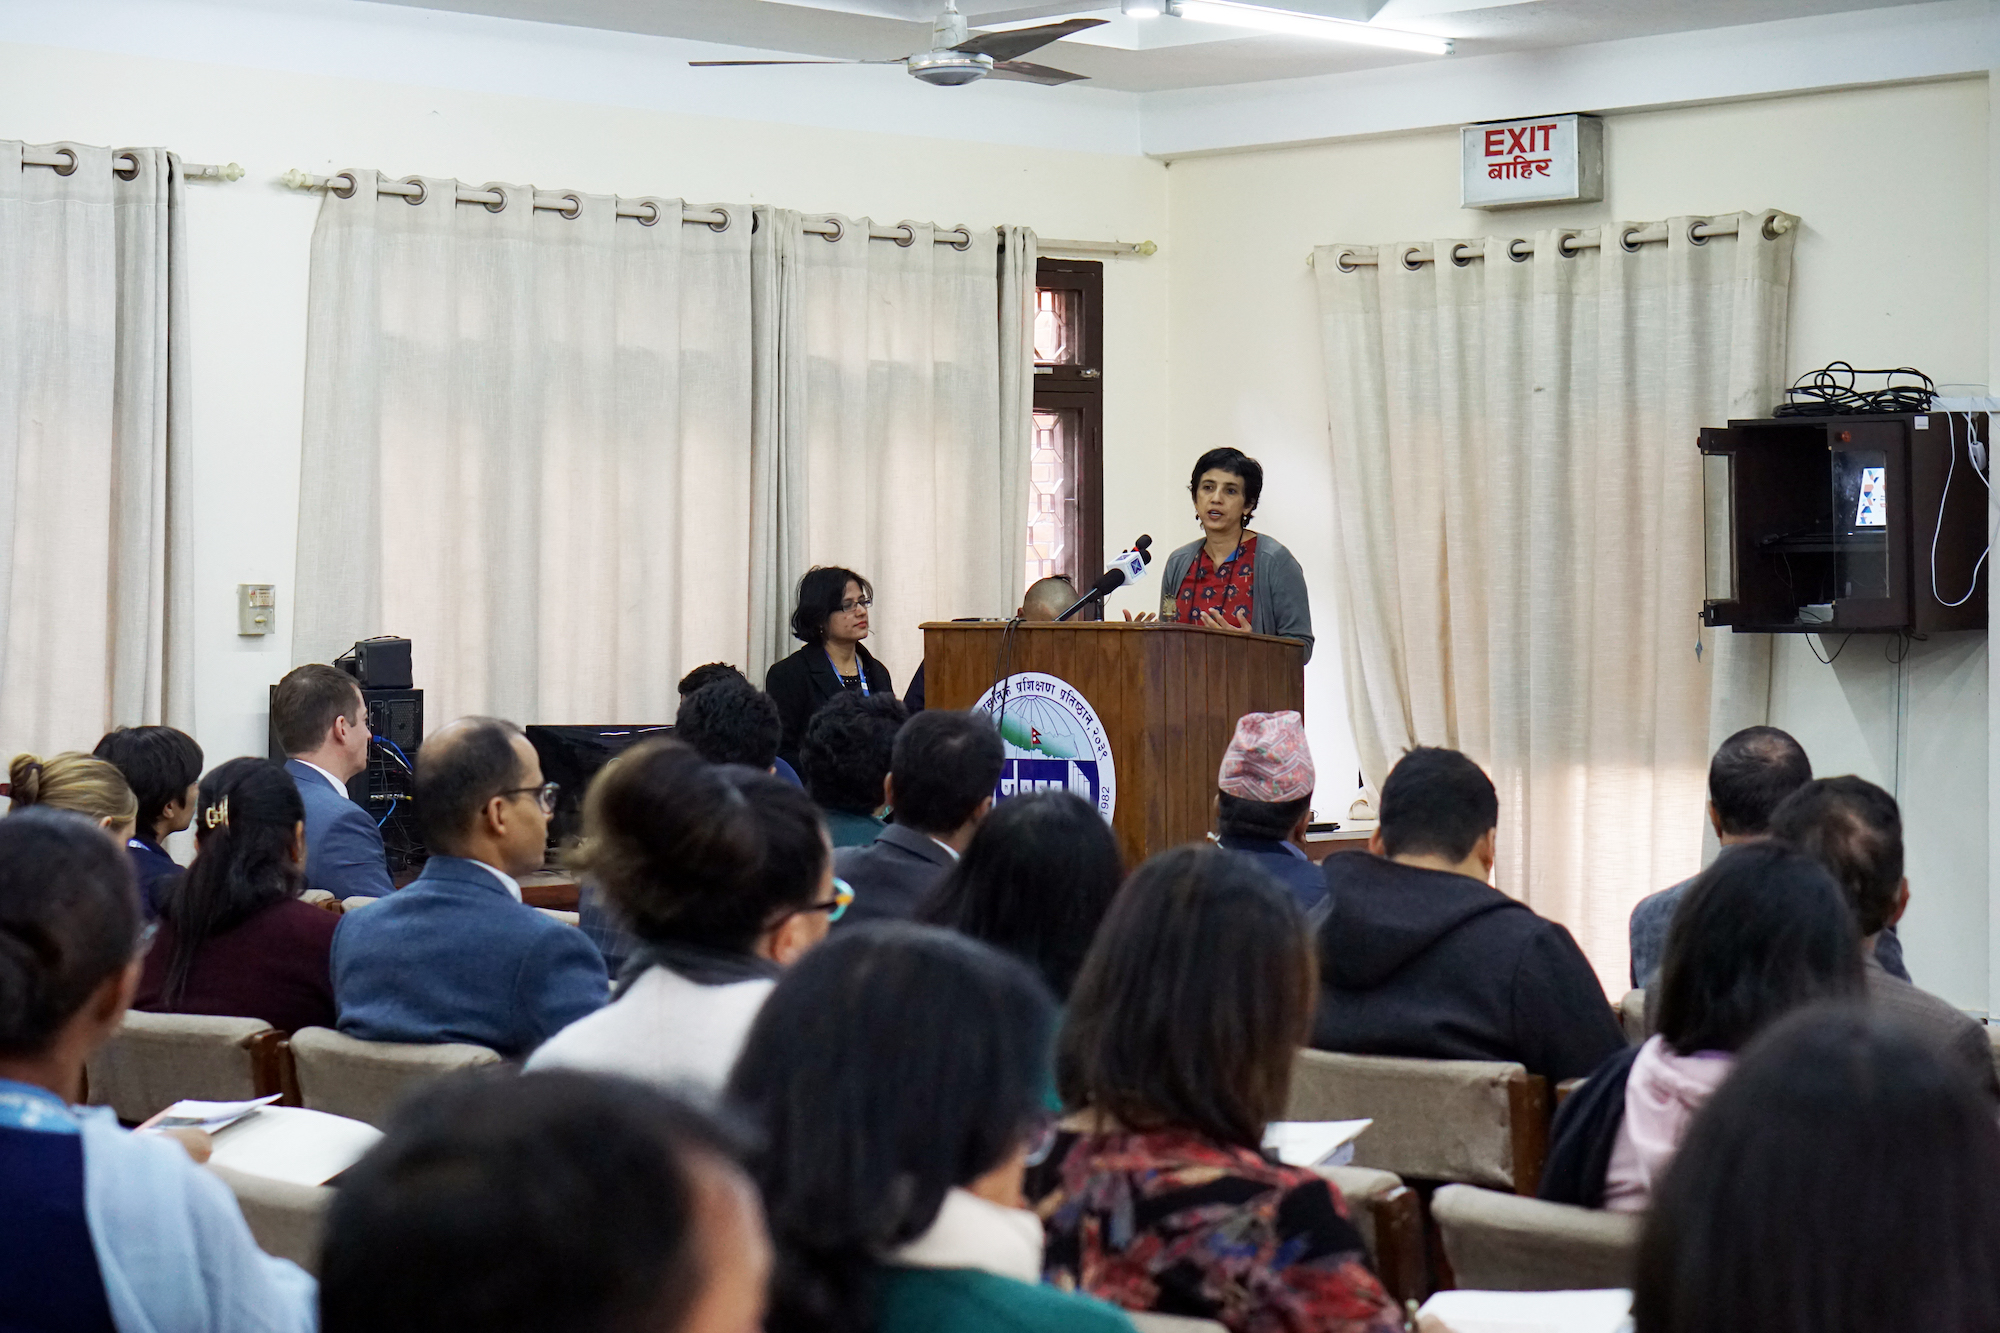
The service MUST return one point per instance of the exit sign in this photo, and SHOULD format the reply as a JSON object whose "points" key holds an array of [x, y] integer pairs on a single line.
{"points": [[1544, 160]]}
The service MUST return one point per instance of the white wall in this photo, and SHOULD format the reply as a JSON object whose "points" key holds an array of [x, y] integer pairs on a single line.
{"points": [[1891, 269], [248, 244]]}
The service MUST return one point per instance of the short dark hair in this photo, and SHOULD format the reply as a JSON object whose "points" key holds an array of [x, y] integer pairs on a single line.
{"points": [[1436, 802], [1854, 829], [1035, 882], [707, 674], [243, 861], [159, 764], [706, 853], [943, 765], [306, 703], [69, 918], [1758, 934], [1840, 1180], [865, 1125], [821, 591], [1237, 464], [1751, 773], [731, 722], [846, 750], [459, 775], [1193, 1000], [539, 1203], [1237, 817]]}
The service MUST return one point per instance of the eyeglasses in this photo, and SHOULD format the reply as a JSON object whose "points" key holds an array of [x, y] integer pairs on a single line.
{"points": [[1042, 1136], [545, 795], [836, 907], [858, 604]]}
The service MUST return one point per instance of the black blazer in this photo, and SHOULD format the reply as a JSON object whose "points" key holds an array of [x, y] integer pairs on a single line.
{"points": [[805, 680]]}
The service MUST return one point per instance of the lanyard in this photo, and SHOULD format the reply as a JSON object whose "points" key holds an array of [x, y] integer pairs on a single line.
{"points": [[860, 670], [26, 1107]]}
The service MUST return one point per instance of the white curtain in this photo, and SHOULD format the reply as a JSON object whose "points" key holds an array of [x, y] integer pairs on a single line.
{"points": [[896, 386], [528, 449], [95, 468], [1518, 506]]}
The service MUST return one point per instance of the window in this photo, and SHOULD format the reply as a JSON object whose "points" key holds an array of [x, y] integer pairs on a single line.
{"points": [[1066, 463]]}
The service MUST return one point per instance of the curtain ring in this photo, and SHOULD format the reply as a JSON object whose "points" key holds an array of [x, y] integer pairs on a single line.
{"points": [[1514, 250], [726, 219], [575, 207], [964, 241], [839, 230], [652, 218], [69, 170], [1458, 259], [909, 236], [423, 190], [497, 188], [1340, 262], [1562, 244], [1416, 267], [1694, 232], [120, 172], [1625, 241], [336, 191]]}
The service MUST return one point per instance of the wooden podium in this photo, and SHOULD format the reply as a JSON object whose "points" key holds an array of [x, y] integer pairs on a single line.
{"points": [[1167, 696]]}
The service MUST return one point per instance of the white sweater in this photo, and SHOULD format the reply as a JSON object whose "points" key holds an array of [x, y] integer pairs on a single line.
{"points": [[665, 1029]]}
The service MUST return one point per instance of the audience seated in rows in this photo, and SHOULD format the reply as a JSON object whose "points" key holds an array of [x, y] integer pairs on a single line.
{"points": [[894, 1083], [321, 722], [79, 783], [455, 956], [942, 772], [1045, 600], [1421, 956], [845, 761], [830, 618], [1035, 883], [234, 938], [161, 766], [551, 1203], [1841, 1181], [1762, 932], [1177, 1051], [726, 878], [101, 1228], [1854, 829], [1263, 802], [1751, 773]]}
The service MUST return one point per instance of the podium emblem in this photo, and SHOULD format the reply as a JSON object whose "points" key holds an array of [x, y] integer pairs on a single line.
{"points": [[1053, 738]]}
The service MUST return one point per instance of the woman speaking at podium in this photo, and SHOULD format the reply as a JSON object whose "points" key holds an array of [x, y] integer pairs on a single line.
{"points": [[1234, 579]]}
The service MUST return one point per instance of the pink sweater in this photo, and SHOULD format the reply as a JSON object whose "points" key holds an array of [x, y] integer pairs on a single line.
{"points": [[1661, 1097]]}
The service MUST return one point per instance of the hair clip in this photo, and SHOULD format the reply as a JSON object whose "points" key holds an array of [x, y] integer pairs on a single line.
{"points": [[216, 815]]}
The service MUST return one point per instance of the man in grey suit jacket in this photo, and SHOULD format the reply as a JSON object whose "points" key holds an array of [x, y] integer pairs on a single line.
{"points": [[942, 771], [322, 725]]}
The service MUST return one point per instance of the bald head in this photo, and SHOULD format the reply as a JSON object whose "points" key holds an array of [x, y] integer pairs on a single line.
{"points": [[1047, 598], [462, 766]]}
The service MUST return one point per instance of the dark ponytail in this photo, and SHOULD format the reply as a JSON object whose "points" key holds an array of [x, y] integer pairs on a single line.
{"points": [[246, 825], [69, 918]]}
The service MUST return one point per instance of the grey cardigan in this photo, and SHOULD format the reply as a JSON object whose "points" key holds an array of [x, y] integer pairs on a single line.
{"points": [[1278, 603]]}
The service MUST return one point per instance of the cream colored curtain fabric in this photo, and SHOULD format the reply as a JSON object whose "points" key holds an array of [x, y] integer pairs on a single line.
{"points": [[1518, 506], [95, 467], [528, 449]]}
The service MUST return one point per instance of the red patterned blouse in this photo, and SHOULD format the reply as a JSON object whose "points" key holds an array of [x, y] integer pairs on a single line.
{"points": [[1228, 589]]}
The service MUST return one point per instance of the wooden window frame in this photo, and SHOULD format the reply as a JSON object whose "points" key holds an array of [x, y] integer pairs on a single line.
{"points": [[1080, 388]]}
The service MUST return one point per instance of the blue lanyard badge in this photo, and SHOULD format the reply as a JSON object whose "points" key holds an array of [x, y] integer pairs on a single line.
{"points": [[860, 670]]}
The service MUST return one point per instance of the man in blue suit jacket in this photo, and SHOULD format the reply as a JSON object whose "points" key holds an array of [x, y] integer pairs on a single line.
{"points": [[456, 956], [322, 723]]}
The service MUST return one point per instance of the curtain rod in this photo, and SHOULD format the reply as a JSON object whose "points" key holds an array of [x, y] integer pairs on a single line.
{"points": [[64, 162], [1567, 243]]}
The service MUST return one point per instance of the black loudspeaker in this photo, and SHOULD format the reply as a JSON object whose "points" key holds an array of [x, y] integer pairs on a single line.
{"points": [[379, 664]]}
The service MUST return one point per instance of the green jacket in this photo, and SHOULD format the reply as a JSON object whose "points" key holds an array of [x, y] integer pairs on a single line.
{"points": [[965, 1300], [851, 830]]}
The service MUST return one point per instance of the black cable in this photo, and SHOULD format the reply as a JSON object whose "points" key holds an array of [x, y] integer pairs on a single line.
{"points": [[1830, 392], [1826, 661]]}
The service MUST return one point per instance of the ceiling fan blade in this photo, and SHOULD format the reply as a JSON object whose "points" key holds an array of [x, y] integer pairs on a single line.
{"points": [[710, 64], [1014, 45], [1023, 72]]}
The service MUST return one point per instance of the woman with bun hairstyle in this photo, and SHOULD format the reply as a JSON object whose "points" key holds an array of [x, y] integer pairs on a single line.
{"points": [[1232, 578], [725, 876], [235, 939], [76, 782]]}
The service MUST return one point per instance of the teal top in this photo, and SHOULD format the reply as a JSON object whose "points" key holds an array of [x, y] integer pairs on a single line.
{"points": [[849, 830], [965, 1300]]}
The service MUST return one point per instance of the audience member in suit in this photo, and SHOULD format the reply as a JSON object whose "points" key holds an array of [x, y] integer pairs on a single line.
{"points": [[1751, 773], [456, 956], [1854, 829], [707, 674], [1045, 600], [555, 1203], [725, 876], [845, 758], [322, 726], [162, 766], [1760, 933], [1035, 882], [893, 1083], [1841, 1181], [1263, 803], [942, 771], [234, 938], [103, 1229], [1421, 956], [79, 783], [1177, 1049], [831, 619]]}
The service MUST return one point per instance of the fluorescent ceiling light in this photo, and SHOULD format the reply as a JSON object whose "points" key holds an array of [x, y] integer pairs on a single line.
{"points": [[1142, 9], [1310, 25]]}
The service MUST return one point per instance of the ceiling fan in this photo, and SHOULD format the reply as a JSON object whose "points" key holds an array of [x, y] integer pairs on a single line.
{"points": [[955, 58]]}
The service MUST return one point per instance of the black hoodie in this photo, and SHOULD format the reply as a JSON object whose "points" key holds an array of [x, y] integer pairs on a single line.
{"points": [[1431, 964]]}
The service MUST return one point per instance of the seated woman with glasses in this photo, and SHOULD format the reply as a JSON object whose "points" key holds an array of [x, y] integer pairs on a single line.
{"points": [[725, 877], [234, 939], [893, 1086], [831, 619]]}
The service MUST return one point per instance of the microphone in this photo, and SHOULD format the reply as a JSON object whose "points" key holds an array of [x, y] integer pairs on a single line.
{"points": [[1129, 567]]}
